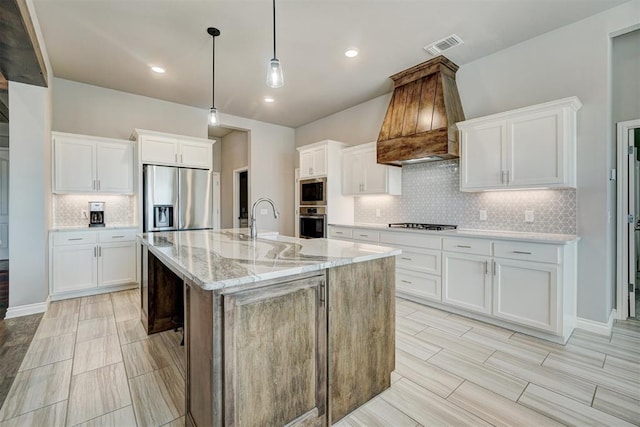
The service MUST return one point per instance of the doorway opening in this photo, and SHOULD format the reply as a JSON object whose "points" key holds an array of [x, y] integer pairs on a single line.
{"points": [[4, 202], [628, 229], [241, 198]]}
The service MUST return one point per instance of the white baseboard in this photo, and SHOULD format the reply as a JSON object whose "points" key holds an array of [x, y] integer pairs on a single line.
{"points": [[27, 309], [597, 327]]}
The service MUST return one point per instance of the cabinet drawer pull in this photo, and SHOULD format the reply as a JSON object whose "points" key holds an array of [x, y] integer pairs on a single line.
{"points": [[363, 235], [76, 238], [95, 252], [464, 246], [494, 268], [406, 281], [486, 267], [117, 237], [406, 259], [522, 252], [338, 232]]}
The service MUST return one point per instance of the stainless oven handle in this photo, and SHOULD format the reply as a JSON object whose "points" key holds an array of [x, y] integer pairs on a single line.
{"points": [[313, 216]]}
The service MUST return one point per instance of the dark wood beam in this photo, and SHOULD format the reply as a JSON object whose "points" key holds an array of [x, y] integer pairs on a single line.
{"points": [[4, 84], [20, 55]]}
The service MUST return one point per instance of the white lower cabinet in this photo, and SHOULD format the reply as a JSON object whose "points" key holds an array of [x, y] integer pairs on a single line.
{"points": [[467, 281], [420, 285], [82, 261]]}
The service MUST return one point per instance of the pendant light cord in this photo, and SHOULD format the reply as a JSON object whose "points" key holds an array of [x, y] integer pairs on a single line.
{"points": [[274, 29], [213, 73]]}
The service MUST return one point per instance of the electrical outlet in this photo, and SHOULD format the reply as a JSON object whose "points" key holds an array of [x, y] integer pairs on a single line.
{"points": [[264, 211], [528, 216], [483, 214], [83, 214], [378, 213]]}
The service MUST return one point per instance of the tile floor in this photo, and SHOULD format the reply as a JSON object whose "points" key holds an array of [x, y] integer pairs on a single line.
{"points": [[92, 364]]}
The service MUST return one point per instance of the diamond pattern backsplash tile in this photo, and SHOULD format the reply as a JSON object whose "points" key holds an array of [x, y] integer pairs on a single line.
{"points": [[67, 209], [431, 194]]}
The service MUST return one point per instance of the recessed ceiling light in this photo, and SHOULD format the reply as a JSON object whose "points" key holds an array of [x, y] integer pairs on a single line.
{"points": [[157, 69], [351, 52], [269, 99]]}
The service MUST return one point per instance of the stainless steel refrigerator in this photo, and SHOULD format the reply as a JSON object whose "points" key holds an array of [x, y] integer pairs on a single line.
{"points": [[176, 198]]}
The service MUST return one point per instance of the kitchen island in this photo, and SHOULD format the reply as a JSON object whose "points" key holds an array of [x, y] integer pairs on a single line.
{"points": [[278, 330]]}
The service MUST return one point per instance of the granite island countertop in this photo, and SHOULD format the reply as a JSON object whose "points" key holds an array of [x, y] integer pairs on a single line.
{"points": [[219, 259]]}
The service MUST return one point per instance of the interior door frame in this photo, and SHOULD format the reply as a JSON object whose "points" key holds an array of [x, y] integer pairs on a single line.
{"points": [[622, 292], [236, 193]]}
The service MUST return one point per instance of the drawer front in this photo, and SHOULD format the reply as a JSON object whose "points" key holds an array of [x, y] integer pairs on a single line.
{"points": [[340, 232], [527, 251], [468, 246], [74, 238], [366, 235], [411, 239], [428, 261], [419, 285], [107, 236]]}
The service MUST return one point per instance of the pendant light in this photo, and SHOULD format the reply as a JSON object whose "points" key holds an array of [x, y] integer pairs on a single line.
{"points": [[213, 113], [274, 75]]}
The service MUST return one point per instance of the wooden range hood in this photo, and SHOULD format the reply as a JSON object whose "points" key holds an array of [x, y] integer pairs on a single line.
{"points": [[420, 124]]}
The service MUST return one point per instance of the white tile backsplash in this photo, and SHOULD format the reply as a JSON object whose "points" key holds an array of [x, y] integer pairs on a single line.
{"points": [[67, 209], [431, 194]]}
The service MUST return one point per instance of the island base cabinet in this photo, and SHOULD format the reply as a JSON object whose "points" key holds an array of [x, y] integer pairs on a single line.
{"points": [[527, 293], [275, 355], [361, 333]]}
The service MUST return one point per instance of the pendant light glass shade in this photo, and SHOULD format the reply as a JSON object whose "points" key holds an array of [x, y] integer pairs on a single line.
{"points": [[274, 75], [213, 112], [213, 117]]}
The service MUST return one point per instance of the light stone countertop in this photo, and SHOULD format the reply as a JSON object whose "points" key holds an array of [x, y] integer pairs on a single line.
{"points": [[561, 239], [87, 228], [220, 259]]}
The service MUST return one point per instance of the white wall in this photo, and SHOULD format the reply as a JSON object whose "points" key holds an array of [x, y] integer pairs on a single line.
{"points": [[271, 165], [234, 155], [573, 60], [4, 134], [625, 72], [92, 110]]}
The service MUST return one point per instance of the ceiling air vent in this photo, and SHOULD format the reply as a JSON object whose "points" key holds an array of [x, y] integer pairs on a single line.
{"points": [[446, 43]]}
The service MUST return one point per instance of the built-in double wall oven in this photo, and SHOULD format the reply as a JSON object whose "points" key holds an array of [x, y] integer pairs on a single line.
{"points": [[313, 222]]}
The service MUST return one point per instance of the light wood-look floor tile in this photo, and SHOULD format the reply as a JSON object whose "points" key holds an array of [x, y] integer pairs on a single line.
{"points": [[126, 311], [131, 331], [456, 344], [48, 350], [490, 378], [95, 299], [403, 310], [618, 405], [56, 326], [158, 397], [622, 384], [178, 352], [97, 392], [522, 351], [481, 328], [96, 327], [98, 309], [428, 408], [566, 410], [377, 413], [627, 327], [416, 347], [496, 409], [97, 353], [602, 344], [49, 416], [178, 422], [567, 352], [122, 417], [395, 377], [426, 375], [63, 308], [145, 356], [409, 326], [37, 388], [617, 366], [438, 322], [553, 379]]}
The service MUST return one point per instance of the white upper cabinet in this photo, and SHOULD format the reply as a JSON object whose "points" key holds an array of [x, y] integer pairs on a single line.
{"points": [[174, 150], [88, 164], [313, 162], [533, 147], [361, 174]]}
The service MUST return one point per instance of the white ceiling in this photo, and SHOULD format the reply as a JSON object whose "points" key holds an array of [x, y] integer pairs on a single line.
{"points": [[112, 43]]}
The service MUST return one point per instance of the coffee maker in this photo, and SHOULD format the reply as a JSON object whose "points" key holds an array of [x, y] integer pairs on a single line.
{"points": [[96, 214]]}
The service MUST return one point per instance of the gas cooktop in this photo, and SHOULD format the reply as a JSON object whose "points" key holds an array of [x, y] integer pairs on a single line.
{"points": [[418, 226]]}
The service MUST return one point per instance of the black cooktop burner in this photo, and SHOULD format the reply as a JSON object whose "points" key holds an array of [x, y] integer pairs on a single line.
{"points": [[418, 226]]}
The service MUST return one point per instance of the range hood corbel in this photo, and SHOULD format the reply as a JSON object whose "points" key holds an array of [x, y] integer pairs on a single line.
{"points": [[420, 124]]}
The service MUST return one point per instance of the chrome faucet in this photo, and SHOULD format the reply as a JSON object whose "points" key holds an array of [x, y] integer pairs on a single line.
{"points": [[254, 228]]}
